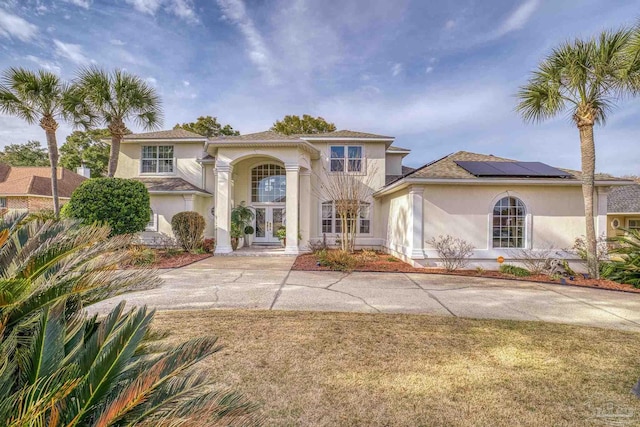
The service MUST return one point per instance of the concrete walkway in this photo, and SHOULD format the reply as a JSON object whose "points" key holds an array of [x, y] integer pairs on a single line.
{"points": [[268, 283]]}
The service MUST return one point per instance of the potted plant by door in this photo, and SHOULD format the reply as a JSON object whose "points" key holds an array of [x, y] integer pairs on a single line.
{"points": [[248, 235], [281, 233], [236, 235]]}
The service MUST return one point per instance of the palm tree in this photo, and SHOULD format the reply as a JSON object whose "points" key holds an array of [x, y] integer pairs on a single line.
{"points": [[37, 97], [114, 98], [60, 367], [584, 78]]}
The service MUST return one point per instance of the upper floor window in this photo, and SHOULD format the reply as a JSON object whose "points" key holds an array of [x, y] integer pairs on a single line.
{"points": [[157, 159], [346, 156], [509, 223], [268, 184], [332, 221]]}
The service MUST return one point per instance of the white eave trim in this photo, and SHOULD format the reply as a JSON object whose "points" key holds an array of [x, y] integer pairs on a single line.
{"points": [[178, 192], [404, 182], [343, 138], [179, 140], [267, 143], [623, 213]]}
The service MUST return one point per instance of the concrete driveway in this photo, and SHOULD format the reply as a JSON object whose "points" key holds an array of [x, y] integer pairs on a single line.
{"points": [[267, 283]]}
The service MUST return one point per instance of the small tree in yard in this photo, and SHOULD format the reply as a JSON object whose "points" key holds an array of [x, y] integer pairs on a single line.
{"points": [[123, 204], [188, 227], [453, 251], [350, 194]]}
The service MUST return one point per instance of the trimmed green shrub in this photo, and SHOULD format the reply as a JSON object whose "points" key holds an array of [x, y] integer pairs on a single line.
{"points": [[123, 204], [188, 227], [515, 270]]}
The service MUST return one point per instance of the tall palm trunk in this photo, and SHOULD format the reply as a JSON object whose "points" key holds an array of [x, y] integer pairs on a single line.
{"points": [[117, 129], [50, 126], [588, 155]]}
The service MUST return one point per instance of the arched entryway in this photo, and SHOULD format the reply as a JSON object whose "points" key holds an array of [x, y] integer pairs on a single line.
{"points": [[268, 184]]}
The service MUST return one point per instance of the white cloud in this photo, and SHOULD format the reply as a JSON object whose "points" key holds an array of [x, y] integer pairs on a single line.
{"points": [[152, 81], [12, 26], [81, 3], [146, 6], [259, 54], [117, 42], [42, 63], [72, 52], [449, 24], [183, 9], [186, 83], [396, 69], [518, 18], [428, 70]]}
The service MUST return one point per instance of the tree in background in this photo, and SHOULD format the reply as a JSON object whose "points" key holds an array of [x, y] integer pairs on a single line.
{"points": [[291, 125], [28, 154], [585, 78], [87, 148], [208, 126], [37, 97], [112, 99]]}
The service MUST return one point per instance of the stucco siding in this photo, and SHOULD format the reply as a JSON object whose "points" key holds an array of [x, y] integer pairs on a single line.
{"points": [[394, 218]]}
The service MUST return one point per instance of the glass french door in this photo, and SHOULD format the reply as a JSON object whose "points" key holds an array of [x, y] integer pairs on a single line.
{"points": [[268, 220]]}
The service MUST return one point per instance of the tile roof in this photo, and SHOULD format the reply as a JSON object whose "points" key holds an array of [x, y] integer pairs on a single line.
{"points": [[446, 168], [36, 181], [178, 185], [165, 134], [624, 199], [270, 135]]}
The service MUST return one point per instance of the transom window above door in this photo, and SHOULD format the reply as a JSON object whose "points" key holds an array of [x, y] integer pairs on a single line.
{"points": [[157, 159], [268, 184], [349, 156]]}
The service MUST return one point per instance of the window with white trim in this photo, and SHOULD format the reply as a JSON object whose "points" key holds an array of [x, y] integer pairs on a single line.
{"points": [[509, 217], [349, 156], [633, 224], [332, 223], [152, 225], [157, 159]]}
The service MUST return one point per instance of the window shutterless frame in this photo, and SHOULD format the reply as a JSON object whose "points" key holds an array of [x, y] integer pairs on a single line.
{"points": [[157, 160], [346, 158], [331, 224]]}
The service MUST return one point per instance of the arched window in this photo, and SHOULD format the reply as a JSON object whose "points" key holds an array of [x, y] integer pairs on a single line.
{"points": [[268, 184], [509, 216]]}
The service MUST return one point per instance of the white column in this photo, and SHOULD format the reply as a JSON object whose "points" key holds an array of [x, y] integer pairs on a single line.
{"points": [[223, 208], [305, 207], [188, 202], [416, 222], [601, 210], [292, 206]]}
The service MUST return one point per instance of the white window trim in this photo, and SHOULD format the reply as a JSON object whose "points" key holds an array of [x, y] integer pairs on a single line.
{"points": [[333, 221], [175, 161], [528, 222], [628, 220], [152, 225], [363, 159]]}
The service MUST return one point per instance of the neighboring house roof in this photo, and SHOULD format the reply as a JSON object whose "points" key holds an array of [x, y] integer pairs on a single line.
{"points": [[624, 199], [447, 167], [168, 185], [36, 181], [165, 134]]}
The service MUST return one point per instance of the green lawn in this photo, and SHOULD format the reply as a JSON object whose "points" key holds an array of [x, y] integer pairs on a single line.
{"points": [[324, 369]]}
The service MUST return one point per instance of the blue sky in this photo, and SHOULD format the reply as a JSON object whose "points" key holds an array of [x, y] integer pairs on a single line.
{"points": [[439, 76]]}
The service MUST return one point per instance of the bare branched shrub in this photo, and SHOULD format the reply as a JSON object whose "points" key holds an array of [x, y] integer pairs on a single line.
{"points": [[351, 194], [534, 260], [453, 251], [602, 248]]}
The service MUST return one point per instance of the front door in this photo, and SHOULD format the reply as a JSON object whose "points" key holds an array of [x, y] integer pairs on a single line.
{"points": [[268, 220]]}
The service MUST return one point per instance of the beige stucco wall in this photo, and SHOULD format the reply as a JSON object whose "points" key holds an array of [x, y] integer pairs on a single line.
{"points": [[555, 215], [166, 206], [393, 164], [393, 223], [185, 155]]}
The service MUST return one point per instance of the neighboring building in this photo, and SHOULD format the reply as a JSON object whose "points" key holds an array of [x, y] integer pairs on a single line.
{"points": [[29, 188], [498, 205], [623, 209]]}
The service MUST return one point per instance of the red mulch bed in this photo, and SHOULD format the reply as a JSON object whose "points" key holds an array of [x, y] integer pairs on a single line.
{"points": [[389, 264], [176, 261]]}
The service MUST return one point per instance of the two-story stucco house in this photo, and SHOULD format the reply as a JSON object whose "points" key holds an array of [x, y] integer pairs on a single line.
{"points": [[497, 204]]}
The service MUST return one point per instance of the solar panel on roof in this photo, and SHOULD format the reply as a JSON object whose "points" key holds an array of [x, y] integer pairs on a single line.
{"points": [[512, 169]]}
